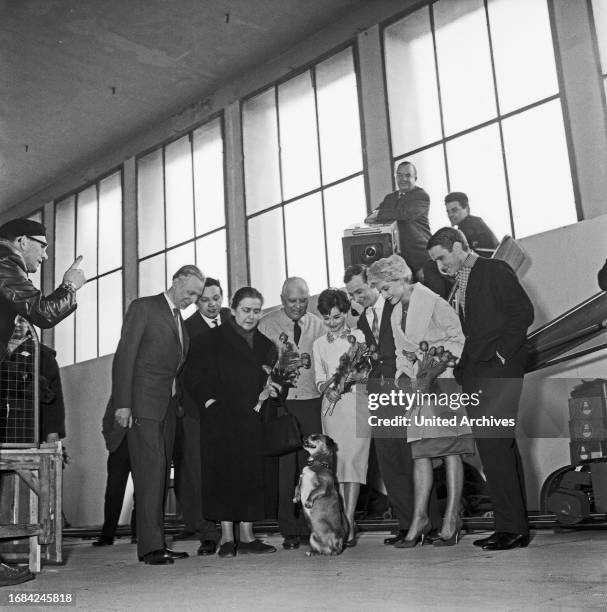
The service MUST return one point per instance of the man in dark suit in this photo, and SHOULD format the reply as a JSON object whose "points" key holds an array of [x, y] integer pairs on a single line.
{"points": [[145, 391], [392, 451], [409, 207], [186, 457], [495, 312], [118, 470], [477, 232]]}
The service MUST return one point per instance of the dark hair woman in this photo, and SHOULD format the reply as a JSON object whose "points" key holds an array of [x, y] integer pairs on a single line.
{"points": [[225, 375], [347, 422]]}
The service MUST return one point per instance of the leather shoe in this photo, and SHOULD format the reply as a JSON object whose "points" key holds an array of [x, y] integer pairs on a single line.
{"points": [[256, 547], [399, 537], [227, 549], [157, 557], [174, 554], [207, 547], [11, 575], [506, 541], [291, 542], [103, 541], [483, 541]]}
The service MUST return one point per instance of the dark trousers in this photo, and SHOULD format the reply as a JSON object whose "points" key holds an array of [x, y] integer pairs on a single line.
{"points": [[151, 449], [188, 479], [291, 520], [396, 469], [118, 470], [501, 389]]}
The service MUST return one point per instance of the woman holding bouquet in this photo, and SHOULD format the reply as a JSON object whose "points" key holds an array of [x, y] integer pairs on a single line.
{"points": [[421, 316], [225, 374], [344, 417]]}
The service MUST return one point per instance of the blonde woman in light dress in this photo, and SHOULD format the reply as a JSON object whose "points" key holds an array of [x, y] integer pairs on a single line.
{"points": [[421, 315]]}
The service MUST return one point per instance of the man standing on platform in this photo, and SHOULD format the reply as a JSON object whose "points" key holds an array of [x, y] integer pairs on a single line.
{"points": [[303, 401], [392, 451], [495, 312], [146, 394], [477, 232], [22, 250], [409, 207], [188, 474]]}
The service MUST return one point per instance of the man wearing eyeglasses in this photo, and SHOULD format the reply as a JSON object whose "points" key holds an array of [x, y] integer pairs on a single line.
{"points": [[22, 250]]}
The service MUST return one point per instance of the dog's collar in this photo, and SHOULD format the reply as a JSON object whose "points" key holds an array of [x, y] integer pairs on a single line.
{"points": [[325, 464]]}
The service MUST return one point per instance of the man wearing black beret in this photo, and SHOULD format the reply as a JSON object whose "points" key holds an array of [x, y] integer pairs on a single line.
{"points": [[22, 250]]}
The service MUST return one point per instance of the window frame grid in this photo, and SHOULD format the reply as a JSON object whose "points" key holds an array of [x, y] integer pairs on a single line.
{"points": [[162, 147], [350, 43], [498, 119], [75, 193]]}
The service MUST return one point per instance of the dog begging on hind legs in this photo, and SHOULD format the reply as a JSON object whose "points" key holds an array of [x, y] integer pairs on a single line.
{"points": [[318, 494]]}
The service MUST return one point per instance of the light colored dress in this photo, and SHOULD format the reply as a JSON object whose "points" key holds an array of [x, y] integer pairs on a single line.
{"points": [[430, 318], [347, 424]]}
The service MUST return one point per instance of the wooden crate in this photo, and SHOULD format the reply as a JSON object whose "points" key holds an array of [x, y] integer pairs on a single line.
{"points": [[31, 500]]}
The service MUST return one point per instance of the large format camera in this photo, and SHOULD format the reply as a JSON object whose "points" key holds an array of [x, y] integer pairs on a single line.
{"points": [[364, 244]]}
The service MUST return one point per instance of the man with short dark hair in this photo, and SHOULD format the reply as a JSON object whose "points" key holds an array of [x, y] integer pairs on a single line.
{"points": [[22, 250], [477, 232], [393, 453], [495, 312], [147, 398], [186, 457], [302, 328]]}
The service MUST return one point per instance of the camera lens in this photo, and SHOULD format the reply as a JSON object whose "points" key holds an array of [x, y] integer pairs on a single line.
{"points": [[370, 252]]}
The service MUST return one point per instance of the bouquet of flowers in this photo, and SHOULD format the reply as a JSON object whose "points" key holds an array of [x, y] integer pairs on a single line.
{"points": [[354, 367], [433, 362], [285, 371]]}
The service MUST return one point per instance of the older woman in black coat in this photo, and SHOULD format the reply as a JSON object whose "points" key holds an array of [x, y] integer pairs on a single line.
{"points": [[226, 377]]}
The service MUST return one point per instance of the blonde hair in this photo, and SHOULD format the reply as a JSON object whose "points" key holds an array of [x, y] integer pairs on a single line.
{"points": [[389, 269]]}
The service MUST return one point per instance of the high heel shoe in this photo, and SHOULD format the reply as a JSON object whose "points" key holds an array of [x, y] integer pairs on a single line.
{"points": [[453, 540], [406, 543]]}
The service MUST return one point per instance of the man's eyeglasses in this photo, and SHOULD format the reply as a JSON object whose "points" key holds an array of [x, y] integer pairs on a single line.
{"points": [[40, 242]]}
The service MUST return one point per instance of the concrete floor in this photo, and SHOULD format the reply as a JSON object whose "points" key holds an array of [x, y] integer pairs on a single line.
{"points": [[559, 571]]}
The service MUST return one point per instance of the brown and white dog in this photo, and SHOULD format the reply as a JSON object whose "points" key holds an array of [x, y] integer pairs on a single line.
{"points": [[317, 491]]}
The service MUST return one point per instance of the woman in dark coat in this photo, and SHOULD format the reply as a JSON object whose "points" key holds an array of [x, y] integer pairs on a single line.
{"points": [[228, 382]]}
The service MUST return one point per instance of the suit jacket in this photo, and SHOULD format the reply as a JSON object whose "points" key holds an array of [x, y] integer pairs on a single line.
{"points": [[197, 328], [498, 312], [386, 365], [477, 232], [113, 433], [148, 358], [410, 210], [196, 325]]}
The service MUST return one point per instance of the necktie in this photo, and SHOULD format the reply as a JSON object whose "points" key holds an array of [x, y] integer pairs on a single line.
{"points": [[375, 326], [215, 323], [177, 316], [296, 332]]}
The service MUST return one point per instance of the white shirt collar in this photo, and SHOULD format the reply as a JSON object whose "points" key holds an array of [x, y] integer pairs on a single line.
{"points": [[208, 321], [170, 302]]}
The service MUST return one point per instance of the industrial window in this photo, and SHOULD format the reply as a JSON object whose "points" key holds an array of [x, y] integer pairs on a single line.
{"points": [[304, 180], [599, 14], [89, 223], [181, 208], [473, 101]]}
